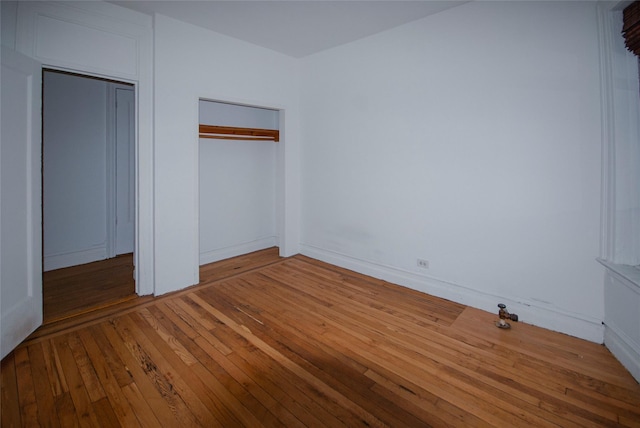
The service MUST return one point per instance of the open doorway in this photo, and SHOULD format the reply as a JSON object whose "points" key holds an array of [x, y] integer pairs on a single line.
{"points": [[237, 173], [88, 193]]}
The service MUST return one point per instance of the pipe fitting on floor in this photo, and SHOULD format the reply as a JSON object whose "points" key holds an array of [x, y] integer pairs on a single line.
{"points": [[504, 315]]}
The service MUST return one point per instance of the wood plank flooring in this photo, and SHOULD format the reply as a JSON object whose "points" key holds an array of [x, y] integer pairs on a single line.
{"points": [[70, 291], [296, 342]]}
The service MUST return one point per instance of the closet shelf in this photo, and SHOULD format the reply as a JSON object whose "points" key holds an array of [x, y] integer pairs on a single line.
{"points": [[233, 133]]}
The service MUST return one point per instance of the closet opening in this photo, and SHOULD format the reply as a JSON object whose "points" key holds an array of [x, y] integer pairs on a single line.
{"points": [[88, 193], [238, 169]]}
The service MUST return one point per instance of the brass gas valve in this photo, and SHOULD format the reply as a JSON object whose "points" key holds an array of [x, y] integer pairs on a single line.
{"points": [[504, 315]]}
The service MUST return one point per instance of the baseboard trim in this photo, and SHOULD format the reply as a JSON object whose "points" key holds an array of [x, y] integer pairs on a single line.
{"points": [[534, 313], [75, 258], [237, 250], [623, 348]]}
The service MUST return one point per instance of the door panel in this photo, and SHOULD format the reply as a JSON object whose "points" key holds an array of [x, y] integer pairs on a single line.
{"points": [[20, 199]]}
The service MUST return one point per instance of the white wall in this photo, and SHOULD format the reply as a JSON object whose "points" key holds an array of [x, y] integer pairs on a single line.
{"points": [[470, 138], [74, 170], [225, 114], [8, 15], [237, 184], [236, 72]]}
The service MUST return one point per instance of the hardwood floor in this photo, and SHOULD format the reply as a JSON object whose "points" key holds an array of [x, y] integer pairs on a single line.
{"points": [[70, 291], [296, 342]]}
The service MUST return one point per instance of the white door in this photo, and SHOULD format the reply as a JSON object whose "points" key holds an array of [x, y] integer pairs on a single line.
{"points": [[20, 199], [125, 157]]}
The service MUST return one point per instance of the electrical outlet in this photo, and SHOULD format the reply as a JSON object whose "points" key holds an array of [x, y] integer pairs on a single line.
{"points": [[424, 264]]}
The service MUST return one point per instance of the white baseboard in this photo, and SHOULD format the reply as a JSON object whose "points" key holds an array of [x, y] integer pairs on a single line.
{"points": [[237, 250], [623, 348], [75, 258], [534, 313]]}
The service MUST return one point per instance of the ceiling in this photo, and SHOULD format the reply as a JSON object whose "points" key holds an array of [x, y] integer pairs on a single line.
{"points": [[294, 28]]}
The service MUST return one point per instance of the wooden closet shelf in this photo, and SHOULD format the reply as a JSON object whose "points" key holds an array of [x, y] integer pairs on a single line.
{"points": [[233, 133]]}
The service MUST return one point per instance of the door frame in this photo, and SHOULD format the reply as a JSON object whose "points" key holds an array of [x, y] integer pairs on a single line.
{"points": [[49, 32], [140, 288]]}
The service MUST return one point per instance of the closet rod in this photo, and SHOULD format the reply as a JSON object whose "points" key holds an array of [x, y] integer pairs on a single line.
{"points": [[235, 133]]}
